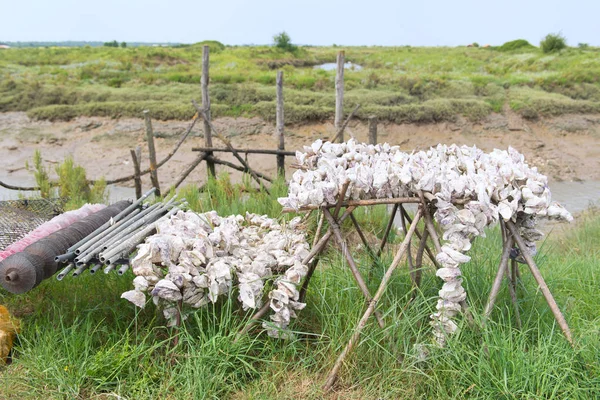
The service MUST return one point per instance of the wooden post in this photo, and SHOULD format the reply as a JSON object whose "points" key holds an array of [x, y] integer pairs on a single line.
{"points": [[136, 156], [372, 129], [210, 165], [339, 93], [280, 125], [152, 151]]}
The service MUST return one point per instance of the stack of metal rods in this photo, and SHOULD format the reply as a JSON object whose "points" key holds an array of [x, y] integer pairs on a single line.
{"points": [[113, 243], [21, 272]]}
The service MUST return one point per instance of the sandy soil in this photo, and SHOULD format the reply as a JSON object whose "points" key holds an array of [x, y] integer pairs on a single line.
{"points": [[565, 148]]}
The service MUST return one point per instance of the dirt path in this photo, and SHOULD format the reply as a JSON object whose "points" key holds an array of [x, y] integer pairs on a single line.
{"points": [[565, 148]]}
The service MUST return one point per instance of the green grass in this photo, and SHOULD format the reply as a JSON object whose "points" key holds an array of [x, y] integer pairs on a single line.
{"points": [[398, 84], [80, 340]]}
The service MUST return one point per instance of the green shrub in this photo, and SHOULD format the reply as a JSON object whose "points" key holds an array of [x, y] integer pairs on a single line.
{"points": [[519, 44], [284, 42], [553, 42], [583, 46], [213, 45]]}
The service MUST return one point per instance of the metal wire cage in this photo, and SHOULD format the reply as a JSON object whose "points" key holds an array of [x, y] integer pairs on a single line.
{"points": [[19, 217]]}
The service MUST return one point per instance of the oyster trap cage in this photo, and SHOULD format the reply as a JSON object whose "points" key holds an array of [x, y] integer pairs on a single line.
{"points": [[19, 217]]}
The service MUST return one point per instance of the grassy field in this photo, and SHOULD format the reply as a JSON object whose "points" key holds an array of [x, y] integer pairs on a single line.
{"points": [[81, 341], [398, 84]]}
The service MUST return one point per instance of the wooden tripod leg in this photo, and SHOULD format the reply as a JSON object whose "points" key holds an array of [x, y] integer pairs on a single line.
{"points": [[362, 237], [357, 276], [372, 305], [427, 249], [311, 259], [513, 298], [387, 230], [540, 281], [419, 259], [498, 280], [411, 267]]}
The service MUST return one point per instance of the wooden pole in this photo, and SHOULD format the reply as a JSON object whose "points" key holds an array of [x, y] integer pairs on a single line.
{"points": [[411, 266], [339, 93], [372, 305], [136, 156], [540, 281], [210, 165], [280, 125], [373, 129], [152, 152]]}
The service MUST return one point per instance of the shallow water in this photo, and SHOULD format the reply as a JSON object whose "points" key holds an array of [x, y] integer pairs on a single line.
{"points": [[333, 66]]}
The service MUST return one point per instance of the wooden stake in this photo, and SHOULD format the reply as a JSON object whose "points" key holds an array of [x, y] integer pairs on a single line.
{"points": [[210, 165], [540, 281], [357, 276], [280, 125], [152, 152], [373, 129], [257, 316], [339, 94], [136, 156], [372, 305]]}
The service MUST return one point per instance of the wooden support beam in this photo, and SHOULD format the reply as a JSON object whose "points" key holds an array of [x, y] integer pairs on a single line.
{"points": [[369, 202]]}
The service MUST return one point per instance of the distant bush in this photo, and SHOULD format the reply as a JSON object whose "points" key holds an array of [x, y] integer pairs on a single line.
{"points": [[583, 46], [475, 44], [114, 43], [123, 44], [553, 42], [284, 42], [519, 44]]}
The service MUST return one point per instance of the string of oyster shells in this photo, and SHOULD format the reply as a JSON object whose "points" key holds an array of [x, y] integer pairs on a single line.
{"points": [[197, 258], [470, 189]]}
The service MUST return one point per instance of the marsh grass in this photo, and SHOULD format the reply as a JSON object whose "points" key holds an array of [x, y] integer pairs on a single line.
{"points": [[419, 84], [80, 340]]}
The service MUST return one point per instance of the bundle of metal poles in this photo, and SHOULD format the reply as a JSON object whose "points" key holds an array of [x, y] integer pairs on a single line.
{"points": [[111, 244]]}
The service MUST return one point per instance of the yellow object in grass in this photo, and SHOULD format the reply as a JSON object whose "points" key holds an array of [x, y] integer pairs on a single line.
{"points": [[9, 327]]}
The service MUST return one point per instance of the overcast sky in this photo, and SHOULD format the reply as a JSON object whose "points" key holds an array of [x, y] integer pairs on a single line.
{"points": [[317, 22]]}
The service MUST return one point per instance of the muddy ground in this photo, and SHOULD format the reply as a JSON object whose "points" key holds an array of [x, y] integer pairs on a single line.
{"points": [[565, 148]]}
